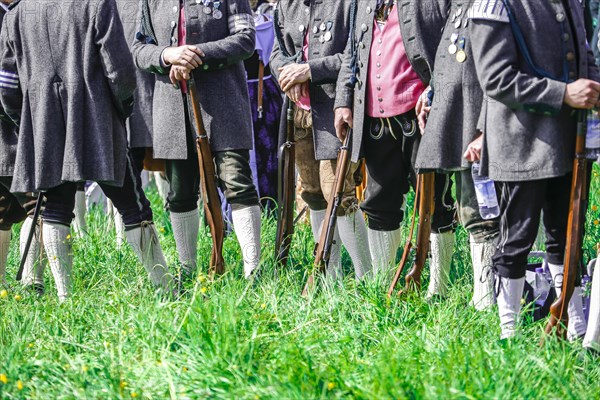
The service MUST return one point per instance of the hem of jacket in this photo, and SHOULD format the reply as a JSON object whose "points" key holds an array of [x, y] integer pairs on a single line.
{"points": [[523, 176]]}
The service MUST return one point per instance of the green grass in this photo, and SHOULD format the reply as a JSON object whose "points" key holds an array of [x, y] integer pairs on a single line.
{"points": [[233, 339]]}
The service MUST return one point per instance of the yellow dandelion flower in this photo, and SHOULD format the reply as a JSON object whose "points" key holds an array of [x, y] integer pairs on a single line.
{"points": [[20, 385], [263, 306], [330, 386], [3, 294], [3, 379], [185, 369], [85, 368], [106, 344], [123, 384], [68, 236], [162, 230], [203, 290], [201, 278], [30, 345], [134, 394], [594, 208], [18, 297], [596, 222]]}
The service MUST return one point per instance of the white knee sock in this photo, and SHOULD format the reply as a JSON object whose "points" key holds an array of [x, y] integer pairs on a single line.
{"points": [[353, 232], [577, 324], [144, 242], [79, 224], [483, 279], [119, 228], [185, 229], [246, 224], [162, 185], [60, 256], [592, 336], [33, 270], [509, 304], [383, 246], [442, 248]]}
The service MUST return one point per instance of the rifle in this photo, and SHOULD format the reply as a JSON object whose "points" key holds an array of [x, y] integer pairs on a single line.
{"points": [[208, 181], [323, 248], [286, 185], [575, 229], [30, 234], [425, 200], [286, 191], [261, 85]]}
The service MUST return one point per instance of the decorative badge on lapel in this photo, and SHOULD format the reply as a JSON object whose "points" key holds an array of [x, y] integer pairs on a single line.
{"points": [[206, 9], [217, 13], [461, 55]]}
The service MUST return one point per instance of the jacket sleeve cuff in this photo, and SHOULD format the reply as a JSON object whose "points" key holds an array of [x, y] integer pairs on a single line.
{"points": [[555, 98], [317, 72], [157, 64], [344, 98]]}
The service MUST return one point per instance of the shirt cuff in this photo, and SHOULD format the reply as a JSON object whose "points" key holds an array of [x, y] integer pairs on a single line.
{"points": [[163, 63]]}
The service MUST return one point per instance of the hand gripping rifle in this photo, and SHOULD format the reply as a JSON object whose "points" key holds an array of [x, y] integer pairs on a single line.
{"points": [[575, 229], [286, 184], [425, 200], [208, 181], [323, 248]]}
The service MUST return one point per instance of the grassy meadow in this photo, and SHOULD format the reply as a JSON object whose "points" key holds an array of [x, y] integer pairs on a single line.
{"points": [[233, 339]]}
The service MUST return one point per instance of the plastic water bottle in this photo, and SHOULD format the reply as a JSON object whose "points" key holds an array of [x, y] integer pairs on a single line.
{"points": [[586, 285], [592, 140], [542, 288], [486, 194]]}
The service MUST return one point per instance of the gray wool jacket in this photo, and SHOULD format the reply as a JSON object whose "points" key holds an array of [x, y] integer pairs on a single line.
{"points": [[421, 22], [328, 27], [139, 124], [221, 81], [457, 101], [529, 132], [69, 83], [9, 133]]}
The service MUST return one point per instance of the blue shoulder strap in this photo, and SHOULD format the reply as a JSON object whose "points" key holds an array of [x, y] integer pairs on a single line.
{"points": [[519, 37]]}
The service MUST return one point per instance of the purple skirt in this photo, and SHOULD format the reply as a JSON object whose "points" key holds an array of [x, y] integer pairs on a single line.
{"points": [[266, 133]]}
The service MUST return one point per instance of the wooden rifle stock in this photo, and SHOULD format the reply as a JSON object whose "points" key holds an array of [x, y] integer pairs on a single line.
{"points": [[575, 230], [323, 248], [208, 181], [261, 85], [286, 192], [426, 208], [424, 199]]}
